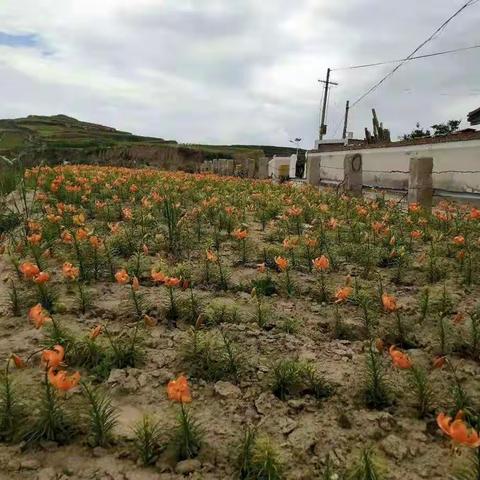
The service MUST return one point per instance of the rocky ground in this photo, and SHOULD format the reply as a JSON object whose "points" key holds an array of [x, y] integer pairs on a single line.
{"points": [[305, 430]]}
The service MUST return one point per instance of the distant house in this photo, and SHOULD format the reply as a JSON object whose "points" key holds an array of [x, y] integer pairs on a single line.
{"points": [[474, 117]]}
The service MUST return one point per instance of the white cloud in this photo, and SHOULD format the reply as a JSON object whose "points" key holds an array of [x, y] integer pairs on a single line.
{"points": [[240, 71]]}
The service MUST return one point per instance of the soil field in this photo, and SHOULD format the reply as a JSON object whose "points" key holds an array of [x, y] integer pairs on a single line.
{"points": [[158, 325]]}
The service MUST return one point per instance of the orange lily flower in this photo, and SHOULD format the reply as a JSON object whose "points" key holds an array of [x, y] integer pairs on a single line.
{"points": [[400, 360], [311, 242], [18, 361], [321, 263], [211, 257], [122, 277], [37, 315], [261, 267], [389, 303], [69, 271], [379, 345], [66, 237], [416, 234], [332, 224], [158, 276], [179, 391], [414, 207], [29, 270], [342, 294], [294, 211], [95, 332], [82, 234], [54, 357], [240, 234], [95, 242], [127, 213], [34, 239], [149, 321], [79, 219], [282, 263], [172, 282], [61, 381], [439, 362], [458, 430], [459, 240], [42, 277]]}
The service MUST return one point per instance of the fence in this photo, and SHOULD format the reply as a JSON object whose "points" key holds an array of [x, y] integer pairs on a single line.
{"points": [[245, 167]]}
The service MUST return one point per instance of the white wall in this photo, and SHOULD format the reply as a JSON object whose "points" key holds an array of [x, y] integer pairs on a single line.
{"points": [[275, 163], [456, 165]]}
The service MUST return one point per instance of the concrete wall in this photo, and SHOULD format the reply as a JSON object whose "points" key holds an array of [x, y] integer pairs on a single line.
{"points": [[276, 162], [456, 165]]}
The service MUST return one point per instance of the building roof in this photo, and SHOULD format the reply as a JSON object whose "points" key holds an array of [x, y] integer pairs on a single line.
{"points": [[474, 117]]}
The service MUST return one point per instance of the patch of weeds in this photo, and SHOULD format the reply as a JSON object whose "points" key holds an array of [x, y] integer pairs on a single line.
{"points": [[367, 467], [290, 325], [212, 356], [187, 438], [292, 377], [147, 443], [102, 416], [264, 286], [376, 391], [11, 409], [125, 350], [257, 459], [219, 312]]}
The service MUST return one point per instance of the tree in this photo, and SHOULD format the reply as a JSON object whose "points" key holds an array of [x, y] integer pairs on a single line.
{"points": [[445, 128], [417, 133]]}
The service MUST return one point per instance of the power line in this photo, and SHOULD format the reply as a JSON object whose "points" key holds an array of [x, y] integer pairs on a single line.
{"points": [[429, 39], [445, 52]]}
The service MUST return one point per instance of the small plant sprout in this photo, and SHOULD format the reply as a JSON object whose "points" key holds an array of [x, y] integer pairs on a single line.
{"points": [[266, 463], [424, 304], [244, 461], [261, 311], [147, 442], [376, 391], [367, 467], [257, 458], [187, 437], [103, 417], [11, 409], [14, 299]]}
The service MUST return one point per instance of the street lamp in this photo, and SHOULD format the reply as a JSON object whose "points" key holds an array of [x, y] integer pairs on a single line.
{"points": [[297, 143]]}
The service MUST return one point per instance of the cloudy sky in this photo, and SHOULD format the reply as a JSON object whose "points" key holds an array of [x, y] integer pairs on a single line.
{"points": [[234, 71]]}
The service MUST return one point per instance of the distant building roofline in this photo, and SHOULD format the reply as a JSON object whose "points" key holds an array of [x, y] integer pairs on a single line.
{"points": [[461, 136]]}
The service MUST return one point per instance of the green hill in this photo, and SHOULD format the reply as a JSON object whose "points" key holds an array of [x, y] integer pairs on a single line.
{"points": [[62, 132]]}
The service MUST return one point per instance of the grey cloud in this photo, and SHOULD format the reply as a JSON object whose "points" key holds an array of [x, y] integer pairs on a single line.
{"points": [[245, 71]]}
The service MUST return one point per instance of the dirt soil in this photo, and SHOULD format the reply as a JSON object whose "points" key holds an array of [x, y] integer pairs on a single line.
{"points": [[304, 429]]}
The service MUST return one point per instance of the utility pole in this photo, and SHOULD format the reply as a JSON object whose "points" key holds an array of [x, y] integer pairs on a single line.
{"points": [[345, 123], [327, 82]]}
